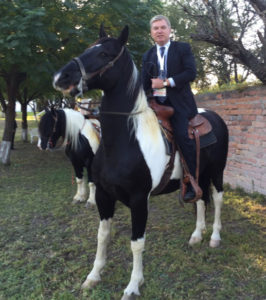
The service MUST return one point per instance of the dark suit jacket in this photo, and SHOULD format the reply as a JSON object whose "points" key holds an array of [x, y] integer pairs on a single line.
{"points": [[181, 67]]}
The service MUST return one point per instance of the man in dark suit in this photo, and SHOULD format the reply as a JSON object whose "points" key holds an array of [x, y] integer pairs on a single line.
{"points": [[167, 70]]}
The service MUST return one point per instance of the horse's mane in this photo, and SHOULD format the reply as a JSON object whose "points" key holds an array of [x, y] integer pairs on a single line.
{"points": [[141, 115], [74, 123]]}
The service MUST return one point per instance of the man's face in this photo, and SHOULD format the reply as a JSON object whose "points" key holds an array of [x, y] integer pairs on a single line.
{"points": [[160, 32]]}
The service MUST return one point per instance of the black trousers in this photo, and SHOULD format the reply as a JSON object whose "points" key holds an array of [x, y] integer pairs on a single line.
{"points": [[179, 124]]}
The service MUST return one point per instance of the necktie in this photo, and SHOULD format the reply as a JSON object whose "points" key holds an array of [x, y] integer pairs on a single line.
{"points": [[162, 51]]}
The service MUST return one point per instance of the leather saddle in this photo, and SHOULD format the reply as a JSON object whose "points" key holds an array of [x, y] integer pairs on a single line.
{"points": [[164, 113], [198, 126]]}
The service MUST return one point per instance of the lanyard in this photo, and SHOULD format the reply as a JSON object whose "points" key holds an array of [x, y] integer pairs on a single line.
{"points": [[161, 59]]}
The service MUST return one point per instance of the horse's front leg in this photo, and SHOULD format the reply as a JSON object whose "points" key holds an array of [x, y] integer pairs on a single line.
{"points": [[92, 188], [80, 195], [139, 214], [106, 207], [91, 199]]}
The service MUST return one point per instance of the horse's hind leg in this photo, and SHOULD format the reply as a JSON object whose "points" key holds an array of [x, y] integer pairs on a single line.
{"points": [[196, 236], [217, 195], [204, 182], [105, 206]]}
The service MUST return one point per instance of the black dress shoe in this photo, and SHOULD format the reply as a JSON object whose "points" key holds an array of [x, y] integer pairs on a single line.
{"points": [[190, 193]]}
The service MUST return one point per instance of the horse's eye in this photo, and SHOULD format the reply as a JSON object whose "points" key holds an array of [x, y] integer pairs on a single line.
{"points": [[103, 54]]}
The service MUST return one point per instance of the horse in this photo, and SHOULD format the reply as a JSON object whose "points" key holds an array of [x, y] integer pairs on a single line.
{"points": [[132, 157], [81, 141]]}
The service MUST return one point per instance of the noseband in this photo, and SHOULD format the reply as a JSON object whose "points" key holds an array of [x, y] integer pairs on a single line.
{"points": [[86, 76]]}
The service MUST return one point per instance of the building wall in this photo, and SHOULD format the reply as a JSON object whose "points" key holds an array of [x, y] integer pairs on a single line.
{"points": [[245, 115]]}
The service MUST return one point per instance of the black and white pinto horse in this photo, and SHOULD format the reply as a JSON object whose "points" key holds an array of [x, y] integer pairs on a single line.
{"points": [[131, 158], [81, 141]]}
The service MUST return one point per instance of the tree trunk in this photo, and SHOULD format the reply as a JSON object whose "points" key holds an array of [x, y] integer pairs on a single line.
{"points": [[24, 133], [5, 152], [13, 80]]}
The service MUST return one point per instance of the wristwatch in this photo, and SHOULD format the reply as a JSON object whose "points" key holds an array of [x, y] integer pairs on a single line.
{"points": [[165, 83]]}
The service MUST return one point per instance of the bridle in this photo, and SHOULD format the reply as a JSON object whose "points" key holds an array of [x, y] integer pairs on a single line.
{"points": [[86, 76]]}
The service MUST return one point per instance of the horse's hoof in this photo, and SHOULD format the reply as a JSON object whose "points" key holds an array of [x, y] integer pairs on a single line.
{"points": [[194, 240], [214, 243], [89, 284], [75, 202], [129, 297], [89, 205]]}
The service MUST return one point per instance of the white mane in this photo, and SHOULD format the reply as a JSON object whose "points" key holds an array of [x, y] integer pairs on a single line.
{"points": [[74, 123]]}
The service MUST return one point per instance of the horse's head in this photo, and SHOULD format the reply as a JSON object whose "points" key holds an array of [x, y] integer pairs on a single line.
{"points": [[50, 129], [90, 69]]}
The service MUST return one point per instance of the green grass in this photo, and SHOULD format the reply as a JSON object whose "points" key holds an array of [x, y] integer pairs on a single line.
{"points": [[47, 245]]}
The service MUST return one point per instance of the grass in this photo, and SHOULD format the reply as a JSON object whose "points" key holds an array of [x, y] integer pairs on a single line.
{"points": [[47, 245]]}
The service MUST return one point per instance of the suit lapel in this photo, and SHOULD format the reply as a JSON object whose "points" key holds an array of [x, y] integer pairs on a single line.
{"points": [[154, 60]]}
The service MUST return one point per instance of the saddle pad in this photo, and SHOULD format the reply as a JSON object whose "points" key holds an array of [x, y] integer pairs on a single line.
{"points": [[205, 141]]}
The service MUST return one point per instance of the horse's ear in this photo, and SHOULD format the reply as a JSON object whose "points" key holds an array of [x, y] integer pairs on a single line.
{"points": [[53, 110], [123, 36], [102, 33]]}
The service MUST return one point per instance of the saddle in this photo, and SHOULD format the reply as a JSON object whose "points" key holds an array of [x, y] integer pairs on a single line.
{"points": [[198, 126]]}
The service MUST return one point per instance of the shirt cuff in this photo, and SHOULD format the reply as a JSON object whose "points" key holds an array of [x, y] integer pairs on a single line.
{"points": [[171, 81]]}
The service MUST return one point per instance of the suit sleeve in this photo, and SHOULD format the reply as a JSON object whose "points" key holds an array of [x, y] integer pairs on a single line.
{"points": [[188, 72]]}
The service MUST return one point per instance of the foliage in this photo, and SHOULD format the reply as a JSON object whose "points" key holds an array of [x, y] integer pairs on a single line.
{"points": [[228, 87], [38, 37], [48, 245], [231, 25]]}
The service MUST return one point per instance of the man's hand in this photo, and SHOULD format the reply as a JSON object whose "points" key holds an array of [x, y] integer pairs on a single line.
{"points": [[157, 83]]}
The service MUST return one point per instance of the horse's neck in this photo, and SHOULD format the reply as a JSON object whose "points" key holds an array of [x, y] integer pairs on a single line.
{"points": [[115, 126], [62, 122]]}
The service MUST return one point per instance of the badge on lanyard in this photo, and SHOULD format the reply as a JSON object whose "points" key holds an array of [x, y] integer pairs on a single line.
{"points": [[160, 92]]}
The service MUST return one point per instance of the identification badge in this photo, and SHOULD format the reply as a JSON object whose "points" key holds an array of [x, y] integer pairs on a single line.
{"points": [[159, 92]]}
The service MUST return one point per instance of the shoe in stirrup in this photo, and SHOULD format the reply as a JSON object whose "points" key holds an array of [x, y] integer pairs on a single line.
{"points": [[190, 193]]}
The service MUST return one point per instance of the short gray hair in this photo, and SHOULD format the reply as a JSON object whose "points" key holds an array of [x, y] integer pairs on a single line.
{"points": [[158, 18]]}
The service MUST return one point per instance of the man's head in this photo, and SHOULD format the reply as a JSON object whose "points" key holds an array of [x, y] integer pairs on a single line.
{"points": [[160, 29]]}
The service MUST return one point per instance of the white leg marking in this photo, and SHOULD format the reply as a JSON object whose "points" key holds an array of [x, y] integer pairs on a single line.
{"points": [[217, 225], [137, 278], [81, 191], [91, 199], [196, 236], [104, 233]]}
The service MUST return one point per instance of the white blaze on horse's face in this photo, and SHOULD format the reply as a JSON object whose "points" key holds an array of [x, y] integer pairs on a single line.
{"points": [[56, 77]]}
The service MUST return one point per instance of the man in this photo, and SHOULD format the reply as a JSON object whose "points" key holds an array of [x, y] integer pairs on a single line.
{"points": [[166, 77]]}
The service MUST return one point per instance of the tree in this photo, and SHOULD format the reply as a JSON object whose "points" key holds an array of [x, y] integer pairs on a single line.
{"points": [[230, 25], [20, 29], [31, 48]]}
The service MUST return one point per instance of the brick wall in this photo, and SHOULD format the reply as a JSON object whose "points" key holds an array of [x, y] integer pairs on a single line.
{"points": [[245, 115]]}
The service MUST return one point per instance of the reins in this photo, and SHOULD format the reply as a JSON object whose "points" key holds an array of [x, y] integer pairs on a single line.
{"points": [[106, 112]]}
